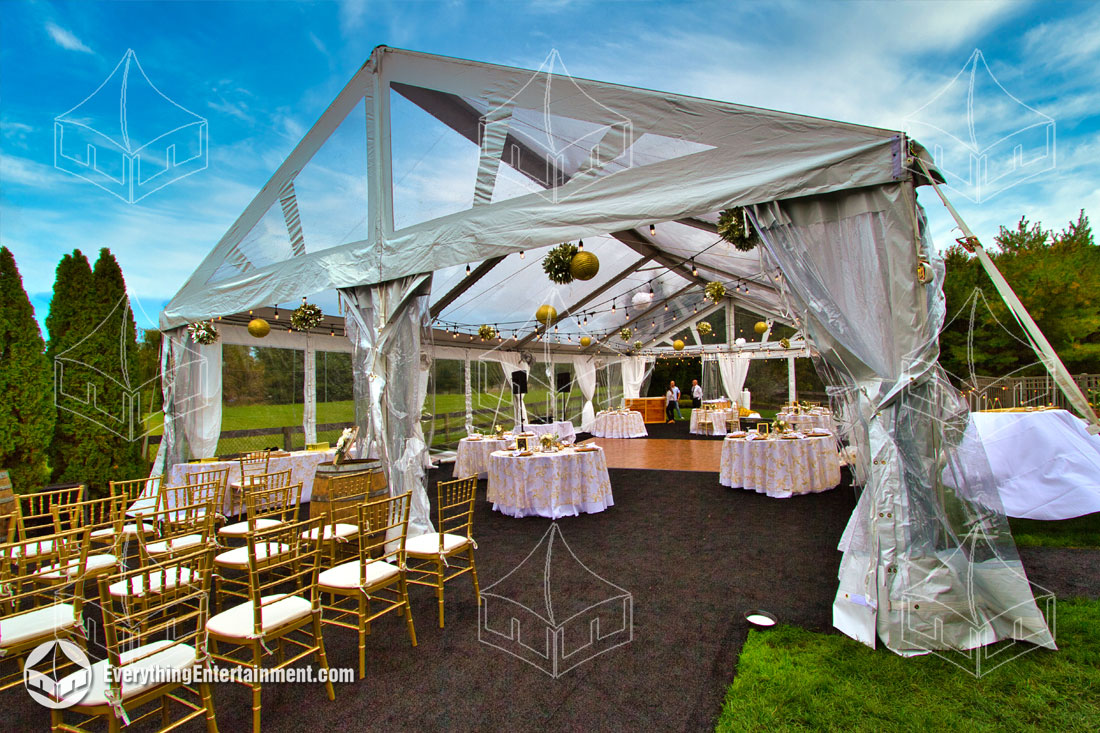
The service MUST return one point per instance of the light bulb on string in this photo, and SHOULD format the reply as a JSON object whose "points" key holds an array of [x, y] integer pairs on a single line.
{"points": [[694, 270], [666, 307], [468, 268], [652, 230], [612, 306], [651, 287], [580, 244], [276, 313], [521, 254]]}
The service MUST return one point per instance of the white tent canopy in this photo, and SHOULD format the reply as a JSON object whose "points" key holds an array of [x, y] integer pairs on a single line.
{"points": [[467, 165]]}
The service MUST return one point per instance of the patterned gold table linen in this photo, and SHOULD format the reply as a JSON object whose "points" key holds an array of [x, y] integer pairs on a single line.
{"points": [[473, 456], [619, 425], [551, 485], [780, 468], [717, 417], [822, 420]]}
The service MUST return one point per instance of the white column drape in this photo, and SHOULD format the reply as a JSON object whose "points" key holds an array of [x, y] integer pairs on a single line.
{"points": [[511, 361], [192, 389], [733, 368], [585, 369], [384, 323], [309, 391], [633, 376], [468, 393]]}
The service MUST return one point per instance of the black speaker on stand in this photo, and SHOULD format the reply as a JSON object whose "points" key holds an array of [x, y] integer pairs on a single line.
{"points": [[519, 388]]}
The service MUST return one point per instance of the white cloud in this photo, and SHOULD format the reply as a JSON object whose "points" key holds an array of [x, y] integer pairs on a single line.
{"points": [[65, 38]]}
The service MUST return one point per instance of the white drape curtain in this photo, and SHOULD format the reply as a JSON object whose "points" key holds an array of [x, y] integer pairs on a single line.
{"points": [[468, 392], [633, 376], [733, 368], [192, 389], [384, 323], [585, 369], [309, 391], [511, 361]]}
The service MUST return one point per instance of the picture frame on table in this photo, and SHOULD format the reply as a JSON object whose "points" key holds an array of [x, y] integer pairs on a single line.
{"points": [[523, 442]]}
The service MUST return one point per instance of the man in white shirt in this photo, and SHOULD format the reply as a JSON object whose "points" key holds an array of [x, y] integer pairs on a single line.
{"points": [[696, 394], [676, 400], [668, 405]]}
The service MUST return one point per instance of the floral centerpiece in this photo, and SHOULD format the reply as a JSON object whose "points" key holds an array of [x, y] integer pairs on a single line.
{"points": [[343, 445], [558, 263], [498, 430], [487, 332], [546, 441], [203, 332], [625, 334], [734, 227], [306, 316]]}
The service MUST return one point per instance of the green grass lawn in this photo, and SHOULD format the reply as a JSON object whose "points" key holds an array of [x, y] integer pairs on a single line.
{"points": [[1077, 532], [789, 679]]}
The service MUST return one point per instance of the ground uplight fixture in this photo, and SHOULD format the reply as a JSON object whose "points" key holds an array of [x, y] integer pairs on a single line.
{"points": [[761, 619]]}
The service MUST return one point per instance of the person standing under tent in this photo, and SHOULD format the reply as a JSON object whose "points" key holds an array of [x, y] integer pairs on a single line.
{"points": [[676, 400], [696, 394], [668, 405]]}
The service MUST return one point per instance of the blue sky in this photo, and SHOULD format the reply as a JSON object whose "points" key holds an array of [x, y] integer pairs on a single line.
{"points": [[261, 74]]}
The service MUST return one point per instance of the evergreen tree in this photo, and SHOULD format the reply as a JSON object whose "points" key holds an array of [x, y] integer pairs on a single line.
{"points": [[68, 322], [26, 382]]}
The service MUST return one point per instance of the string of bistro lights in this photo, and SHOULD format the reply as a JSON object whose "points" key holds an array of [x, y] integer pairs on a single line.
{"points": [[469, 331]]}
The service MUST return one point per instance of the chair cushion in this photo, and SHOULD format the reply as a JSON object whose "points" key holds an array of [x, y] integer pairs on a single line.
{"points": [[237, 622], [179, 543], [127, 529], [33, 549], [95, 563], [46, 621], [341, 530], [238, 556], [428, 544], [346, 575], [135, 585], [240, 529], [169, 656]]}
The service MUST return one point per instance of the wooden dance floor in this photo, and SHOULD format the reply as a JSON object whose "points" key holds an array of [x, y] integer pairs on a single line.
{"points": [[662, 455]]}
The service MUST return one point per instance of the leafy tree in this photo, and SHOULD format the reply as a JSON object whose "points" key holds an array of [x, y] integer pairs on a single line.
{"points": [[69, 321], [1055, 276], [26, 382]]}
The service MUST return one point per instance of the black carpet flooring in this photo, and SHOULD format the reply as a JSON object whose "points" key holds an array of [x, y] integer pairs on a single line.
{"points": [[694, 556]]}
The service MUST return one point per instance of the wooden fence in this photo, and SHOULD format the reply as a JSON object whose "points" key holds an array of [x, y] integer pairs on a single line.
{"points": [[995, 392]]}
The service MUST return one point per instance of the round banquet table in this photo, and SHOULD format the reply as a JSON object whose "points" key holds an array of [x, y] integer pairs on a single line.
{"points": [[807, 421], [562, 428], [779, 467], [550, 485], [619, 425], [473, 455], [717, 417]]}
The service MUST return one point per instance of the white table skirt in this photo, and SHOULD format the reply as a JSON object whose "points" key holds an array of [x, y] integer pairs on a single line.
{"points": [[619, 425], [808, 421], [302, 464], [473, 456], [780, 468], [564, 429], [717, 417], [550, 485]]}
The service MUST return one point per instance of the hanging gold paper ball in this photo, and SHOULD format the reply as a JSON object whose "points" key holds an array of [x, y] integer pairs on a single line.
{"points": [[259, 328], [760, 327], [586, 341], [546, 314], [584, 266], [678, 345]]}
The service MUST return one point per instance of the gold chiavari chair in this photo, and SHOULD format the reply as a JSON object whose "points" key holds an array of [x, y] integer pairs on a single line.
{"points": [[33, 516], [219, 476], [175, 529], [137, 496], [164, 634], [267, 508], [256, 482], [103, 520], [377, 575], [38, 603], [283, 607], [431, 555], [341, 518], [256, 463], [211, 493]]}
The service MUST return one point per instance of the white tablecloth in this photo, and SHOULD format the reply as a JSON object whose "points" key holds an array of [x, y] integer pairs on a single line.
{"points": [[551, 485], [1045, 465], [807, 421], [780, 468], [717, 417], [302, 464], [473, 456], [564, 429], [619, 425]]}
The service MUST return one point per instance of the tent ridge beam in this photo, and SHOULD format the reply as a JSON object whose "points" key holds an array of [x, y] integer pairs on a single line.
{"points": [[467, 282], [656, 306]]}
